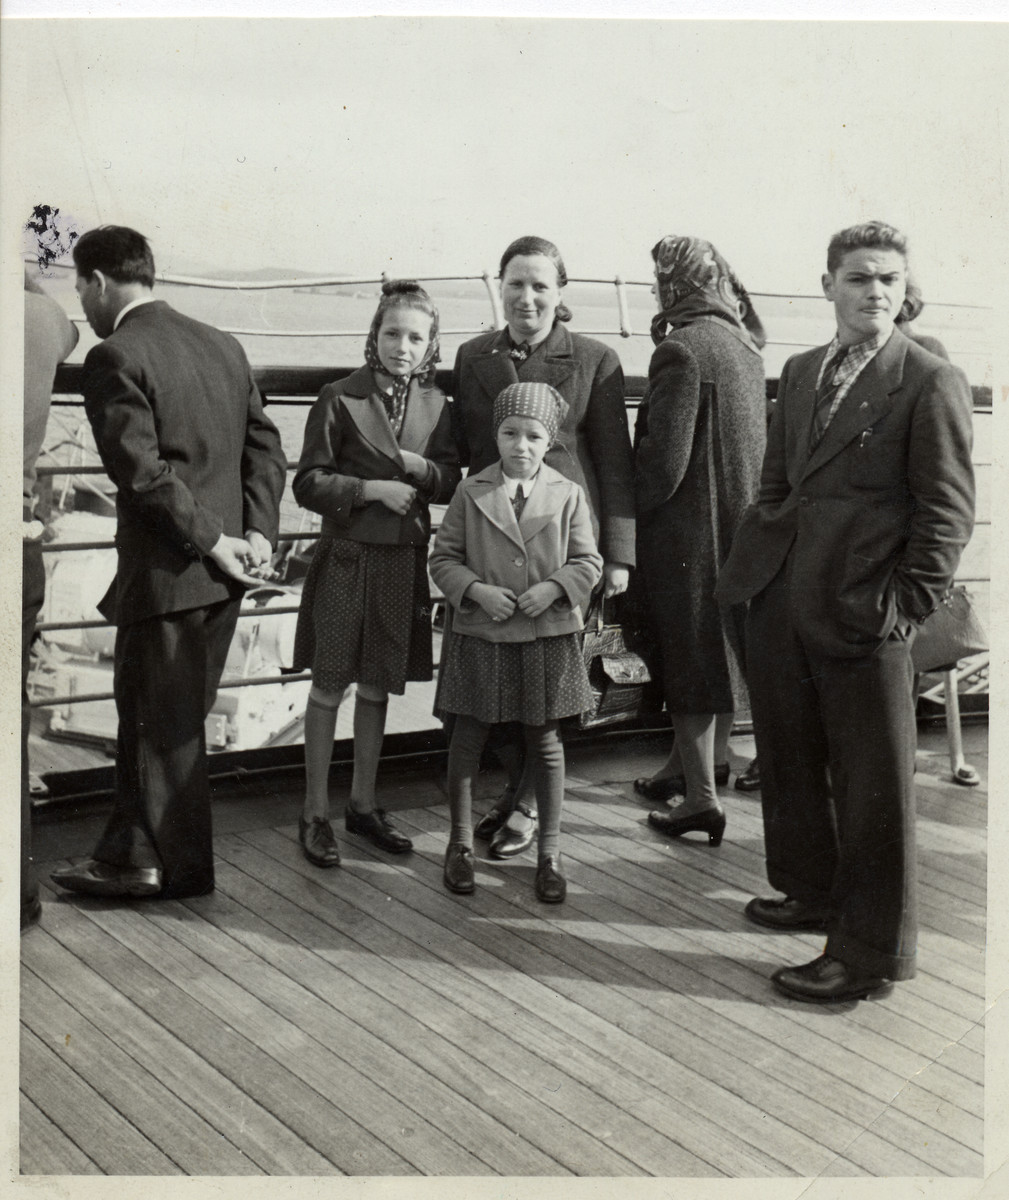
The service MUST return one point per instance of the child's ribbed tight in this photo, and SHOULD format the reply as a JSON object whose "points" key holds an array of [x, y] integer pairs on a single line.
{"points": [[544, 753]]}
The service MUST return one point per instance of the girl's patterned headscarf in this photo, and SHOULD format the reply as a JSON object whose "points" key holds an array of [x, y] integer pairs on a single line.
{"points": [[537, 400], [695, 281], [403, 293]]}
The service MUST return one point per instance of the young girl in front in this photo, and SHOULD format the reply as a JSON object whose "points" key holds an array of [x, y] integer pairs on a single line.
{"points": [[378, 450], [516, 560]]}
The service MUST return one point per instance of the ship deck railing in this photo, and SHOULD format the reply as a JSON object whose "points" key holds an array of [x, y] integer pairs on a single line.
{"points": [[286, 386]]}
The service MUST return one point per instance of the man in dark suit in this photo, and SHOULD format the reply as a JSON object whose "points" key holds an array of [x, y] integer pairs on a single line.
{"points": [[866, 502], [179, 424]]}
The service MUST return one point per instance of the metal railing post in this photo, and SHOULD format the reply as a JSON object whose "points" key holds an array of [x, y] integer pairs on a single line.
{"points": [[495, 299], [625, 313]]}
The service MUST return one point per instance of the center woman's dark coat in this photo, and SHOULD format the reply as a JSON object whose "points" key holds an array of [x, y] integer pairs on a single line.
{"points": [[699, 442], [592, 447]]}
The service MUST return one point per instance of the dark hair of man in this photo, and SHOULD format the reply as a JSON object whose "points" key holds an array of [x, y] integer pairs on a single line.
{"points": [[118, 252], [530, 245], [872, 235]]}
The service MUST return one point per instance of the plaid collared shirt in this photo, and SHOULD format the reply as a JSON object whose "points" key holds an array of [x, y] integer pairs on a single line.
{"points": [[855, 362]]}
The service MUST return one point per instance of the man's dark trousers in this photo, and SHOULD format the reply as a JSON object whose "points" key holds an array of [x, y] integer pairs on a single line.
{"points": [[836, 744], [167, 669]]}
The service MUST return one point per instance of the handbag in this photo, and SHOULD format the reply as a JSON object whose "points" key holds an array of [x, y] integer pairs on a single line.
{"points": [[623, 685], [951, 633]]}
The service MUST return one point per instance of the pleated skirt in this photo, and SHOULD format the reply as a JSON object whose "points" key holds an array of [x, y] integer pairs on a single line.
{"points": [[365, 616], [531, 682]]}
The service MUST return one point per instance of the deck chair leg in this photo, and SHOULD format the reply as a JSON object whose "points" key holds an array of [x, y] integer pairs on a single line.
{"points": [[963, 773]]}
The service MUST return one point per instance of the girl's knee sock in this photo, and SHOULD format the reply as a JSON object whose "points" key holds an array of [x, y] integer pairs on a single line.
{"points": [[320, 730], [468, 738], [369, 730], [545, 750]]}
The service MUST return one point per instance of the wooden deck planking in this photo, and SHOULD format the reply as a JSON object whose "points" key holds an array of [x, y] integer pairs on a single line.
{"points": [[684, 885], [656, 1007], [122, 946], [305, 986], [677, 989], [85, 1116], [366, 1021], [542, 1077], [228, 1110], [739, 852], [43, 1143], [140, 1096], [591, 1012], [303, 990], [527, 1026], [340, 1087]]}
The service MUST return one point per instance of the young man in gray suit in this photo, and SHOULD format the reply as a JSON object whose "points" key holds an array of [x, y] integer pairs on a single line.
{"points": [[179, 424], [866, 502]]}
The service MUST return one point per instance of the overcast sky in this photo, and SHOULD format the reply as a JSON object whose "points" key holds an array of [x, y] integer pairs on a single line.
{"points": [[423, 146]]}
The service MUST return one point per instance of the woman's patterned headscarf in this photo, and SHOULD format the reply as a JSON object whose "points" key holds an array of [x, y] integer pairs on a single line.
{"points": [[403, 293], [695, 281], [537, 400]]}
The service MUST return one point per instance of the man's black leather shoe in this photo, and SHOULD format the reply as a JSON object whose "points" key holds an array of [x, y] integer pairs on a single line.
{"points": [[378, 829], [748, 780], [317, 842], [827, 980], [788, 915], [508, 842], [94, 878]]}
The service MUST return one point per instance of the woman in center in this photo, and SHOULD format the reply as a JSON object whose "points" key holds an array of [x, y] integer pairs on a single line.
{"points": [[516, 559], [592, 448]]}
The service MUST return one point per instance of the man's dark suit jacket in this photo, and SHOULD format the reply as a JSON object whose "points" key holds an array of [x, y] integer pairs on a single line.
{"points": [[878, 514], [593, 445], [179, 424]]}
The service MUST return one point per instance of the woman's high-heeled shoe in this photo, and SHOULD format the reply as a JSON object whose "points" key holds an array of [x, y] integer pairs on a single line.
{"points": [[710, 821]]}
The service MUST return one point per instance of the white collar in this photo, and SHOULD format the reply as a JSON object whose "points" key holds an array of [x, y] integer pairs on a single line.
{"points": [[127, 307], [512, 485]]}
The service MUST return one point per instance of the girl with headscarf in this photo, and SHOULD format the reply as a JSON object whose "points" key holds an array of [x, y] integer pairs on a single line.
{"points": [[378, 451], [699, 444], [516, 559]]}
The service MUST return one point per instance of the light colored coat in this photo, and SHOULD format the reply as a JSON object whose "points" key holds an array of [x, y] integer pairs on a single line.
{"points": [[480, 541]]}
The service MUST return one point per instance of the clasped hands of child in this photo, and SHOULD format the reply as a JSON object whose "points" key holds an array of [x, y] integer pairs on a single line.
{"points": [[499, 603]]}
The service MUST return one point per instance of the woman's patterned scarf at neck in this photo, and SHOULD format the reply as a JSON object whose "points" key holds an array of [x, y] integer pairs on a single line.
{"points": [[395, 405], [695, 281]]}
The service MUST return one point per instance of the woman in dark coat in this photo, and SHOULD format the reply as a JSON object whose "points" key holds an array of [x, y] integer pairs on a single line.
{"points": [[699, 444], [592, 447]]}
